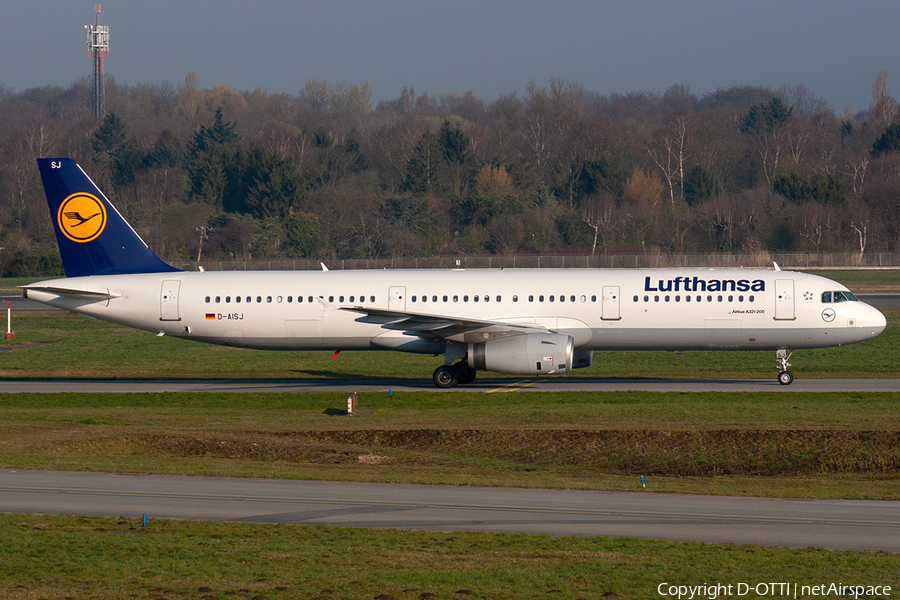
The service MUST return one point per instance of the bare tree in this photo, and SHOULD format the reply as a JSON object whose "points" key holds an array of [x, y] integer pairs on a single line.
{"points": [[671, 151], [883, 109], [601, 214]]}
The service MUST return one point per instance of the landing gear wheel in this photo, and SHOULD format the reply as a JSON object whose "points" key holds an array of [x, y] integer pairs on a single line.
{"points": [[444, 377], [785, 378], [464, 373]]}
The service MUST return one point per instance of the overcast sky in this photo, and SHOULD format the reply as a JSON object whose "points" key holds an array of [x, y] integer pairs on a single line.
{"points": [[488, 47]]}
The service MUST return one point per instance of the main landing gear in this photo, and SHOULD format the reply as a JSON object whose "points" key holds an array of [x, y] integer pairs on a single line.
{"points": [[447, 376], [785, 377]]}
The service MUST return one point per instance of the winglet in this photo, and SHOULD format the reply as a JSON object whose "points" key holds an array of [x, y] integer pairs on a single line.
{"points": [[93, 238], [777, 268]]}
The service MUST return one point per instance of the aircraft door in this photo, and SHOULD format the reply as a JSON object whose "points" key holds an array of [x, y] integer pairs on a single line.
{"points": [[610, 303], [397, 298], [784, 300], [168, 300]]}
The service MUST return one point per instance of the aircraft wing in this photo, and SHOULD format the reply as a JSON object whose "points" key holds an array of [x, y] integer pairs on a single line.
{"points": [[455, 329]]}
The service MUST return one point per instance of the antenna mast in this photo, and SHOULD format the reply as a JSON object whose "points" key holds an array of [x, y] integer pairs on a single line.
{"points": [[98, 49]]}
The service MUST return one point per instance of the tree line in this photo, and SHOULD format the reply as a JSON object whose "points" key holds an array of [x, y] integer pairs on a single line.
{"points": [[557, 169]]}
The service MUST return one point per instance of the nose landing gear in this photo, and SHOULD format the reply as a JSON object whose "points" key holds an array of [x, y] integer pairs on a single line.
{"points": [[785, 377]]}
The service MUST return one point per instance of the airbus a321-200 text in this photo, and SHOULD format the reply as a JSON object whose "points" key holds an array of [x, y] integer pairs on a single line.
{"points": [[522, 322]]}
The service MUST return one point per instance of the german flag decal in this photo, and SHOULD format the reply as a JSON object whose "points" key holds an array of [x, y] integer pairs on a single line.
{"points": [[210, 317]]}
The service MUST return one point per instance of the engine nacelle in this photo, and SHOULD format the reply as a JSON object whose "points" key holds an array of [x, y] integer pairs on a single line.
{"points": [[527, 354]]}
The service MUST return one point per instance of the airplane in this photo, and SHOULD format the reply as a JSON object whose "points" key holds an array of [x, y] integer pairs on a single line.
{"points": [[519, 321]]}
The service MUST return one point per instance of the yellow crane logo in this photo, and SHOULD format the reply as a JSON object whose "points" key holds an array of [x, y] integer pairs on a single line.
{"points": [[81, 217]]}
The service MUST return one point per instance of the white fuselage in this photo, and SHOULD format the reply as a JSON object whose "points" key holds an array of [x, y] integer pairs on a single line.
{"points": [[600, 309]]}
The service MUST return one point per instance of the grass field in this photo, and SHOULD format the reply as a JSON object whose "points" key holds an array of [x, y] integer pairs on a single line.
{"points": [[74, 557], [797, 445]]}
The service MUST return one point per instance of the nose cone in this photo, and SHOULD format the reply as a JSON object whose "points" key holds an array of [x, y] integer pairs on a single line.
{"points": [[873, 321]]}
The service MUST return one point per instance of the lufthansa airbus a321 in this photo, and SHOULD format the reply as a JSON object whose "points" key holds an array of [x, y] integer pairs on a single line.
{"points": [[522, 322]]}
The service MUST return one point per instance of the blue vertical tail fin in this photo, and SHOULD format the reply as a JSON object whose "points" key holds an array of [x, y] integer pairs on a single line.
{"points": [[94, 239]]}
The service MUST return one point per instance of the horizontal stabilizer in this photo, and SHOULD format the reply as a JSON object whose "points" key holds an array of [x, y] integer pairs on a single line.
{"points": [[72, 292]]}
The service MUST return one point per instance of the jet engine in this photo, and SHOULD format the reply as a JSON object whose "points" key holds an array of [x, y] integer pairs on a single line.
{"points": [[526, 354]]}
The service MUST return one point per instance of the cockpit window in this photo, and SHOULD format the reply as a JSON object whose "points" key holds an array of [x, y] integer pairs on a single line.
{"points": [[838, 297]]}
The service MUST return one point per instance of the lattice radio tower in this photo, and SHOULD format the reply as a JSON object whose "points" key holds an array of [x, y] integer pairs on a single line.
{"points": [[98, 49]]}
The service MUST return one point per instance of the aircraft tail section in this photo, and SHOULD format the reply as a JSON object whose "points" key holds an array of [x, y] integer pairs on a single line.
{"points": [[94, 239]]}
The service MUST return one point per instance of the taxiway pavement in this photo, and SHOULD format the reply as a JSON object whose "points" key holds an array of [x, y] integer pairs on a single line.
{"points": [[839, 524]]}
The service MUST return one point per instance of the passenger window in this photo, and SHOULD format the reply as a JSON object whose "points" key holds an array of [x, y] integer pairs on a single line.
{"points": [[515, 299], [207, 299], [227, 299], [751, 298], [351, 298], [498, 298], [667, 298], [562, 298], [413, 298], [731, 298], [487, 298], [531, 298], [434, 298], [456, 298], [584, 298], [259, 299], [465, 298], [646, 298], [593, 298], [278, 299], [719, 298], [551, 298], [310, 299], [540, 298], [268, 298], [677, 298], [635, 298], [299, 298], [687, 298], [237, 299], [740, 298], [340, 299], [709, 298], [445, 298], [330, 299], [249, 299], [290, 299], [475, 298], [218, 299], [656, 298]]}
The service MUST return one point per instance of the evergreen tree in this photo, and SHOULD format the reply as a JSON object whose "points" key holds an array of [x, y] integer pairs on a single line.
{"points": [[889, 140], [765, 117], [213, 163]]}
